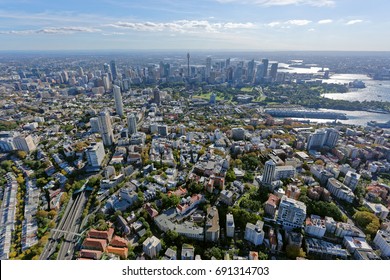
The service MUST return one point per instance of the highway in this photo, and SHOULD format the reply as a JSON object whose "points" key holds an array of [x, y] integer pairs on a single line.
{"points": [[66, 233]]}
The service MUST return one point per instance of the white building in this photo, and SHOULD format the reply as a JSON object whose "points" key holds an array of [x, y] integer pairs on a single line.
{"points": [[132, 124], [339, 190], [25, 143], [323, 137], [212, 224], [316, 140], [382, 240], [152, 246], [106, 128], [254, 233], [95, 154], [291, 213], [230, 225], [95, 125], [332, 136], [356, 243], [351, 180], [345, 229], [379, 209], [269, 172], [118, 100], [284, 172], [315, 226]]}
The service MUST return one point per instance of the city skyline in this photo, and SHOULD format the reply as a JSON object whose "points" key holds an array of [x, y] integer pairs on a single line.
{"points": [[272, 25]]}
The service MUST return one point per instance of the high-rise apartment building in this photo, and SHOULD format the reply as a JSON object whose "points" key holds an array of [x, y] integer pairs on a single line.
{"points": [[230, 225], [291, 213], [106, 128], [273, 71], [95, 124], [114, 70], [118, 100], [132, 124], [265, 62], [157, 96], [254, 233], [323, 137], [208, 67], [269, 172], [25, 143], [95, 154]]}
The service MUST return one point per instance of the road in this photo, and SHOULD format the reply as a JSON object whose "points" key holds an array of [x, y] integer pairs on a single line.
{"points": [[66, 234]]}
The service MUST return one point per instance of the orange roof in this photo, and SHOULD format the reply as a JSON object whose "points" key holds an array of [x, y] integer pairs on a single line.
{"points": [[99, 234], [273, 200], [122, 252], [91, 254], [179, 192], [95, 244], [118, 242]]}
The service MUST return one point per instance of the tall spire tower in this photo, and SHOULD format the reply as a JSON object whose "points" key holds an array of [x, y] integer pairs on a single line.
{"points": [[188, 65]]}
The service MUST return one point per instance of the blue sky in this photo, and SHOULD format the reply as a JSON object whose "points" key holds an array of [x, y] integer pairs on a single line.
{"points": [[267, 25]]}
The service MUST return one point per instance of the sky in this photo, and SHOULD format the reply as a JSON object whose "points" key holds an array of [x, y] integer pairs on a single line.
{"points": [[261, 25]]}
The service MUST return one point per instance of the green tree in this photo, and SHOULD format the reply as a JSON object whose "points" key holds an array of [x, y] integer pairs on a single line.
{"points": [[367, 221], [230, 176], [21, 154], [214, 252], [293, 251], [170, 201]]}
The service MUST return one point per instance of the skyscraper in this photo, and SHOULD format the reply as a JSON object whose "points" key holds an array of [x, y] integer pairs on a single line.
{"points": [[251, 70], [208, 67], [95, 125], [107, 69], [118, 100], [114, 70], [323, 137], [188, 64], [332, 136], [106, 128], [157, 96], [269, 172], [273, 71], [106, 82], [265, 63], [316, 140], [132, 124], [95, 154]]}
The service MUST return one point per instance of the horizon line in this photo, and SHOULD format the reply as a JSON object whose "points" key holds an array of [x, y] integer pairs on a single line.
{"points": [[188, 50]]}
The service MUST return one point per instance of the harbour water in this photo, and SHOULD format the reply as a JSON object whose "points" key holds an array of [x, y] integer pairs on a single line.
{"points": [[374, 90], [359, 118]]}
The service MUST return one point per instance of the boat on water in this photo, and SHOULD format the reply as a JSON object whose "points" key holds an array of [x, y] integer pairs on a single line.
{"points": [[357, 84], [379, 111], [379, 124]]}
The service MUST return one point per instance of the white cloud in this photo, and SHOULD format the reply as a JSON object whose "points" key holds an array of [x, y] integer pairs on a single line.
{"points": [[325, 21], [355, 21], [52, 30], [62, 30], [311, 30], [289, 23], [182, 26], [299, 22], [315, 3], [274, 23], [232, 25]]}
